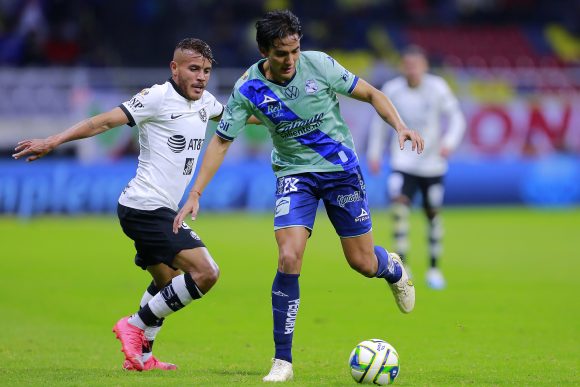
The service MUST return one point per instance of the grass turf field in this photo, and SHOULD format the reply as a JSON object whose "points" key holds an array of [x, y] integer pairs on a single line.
{"points": [[510, 314]]}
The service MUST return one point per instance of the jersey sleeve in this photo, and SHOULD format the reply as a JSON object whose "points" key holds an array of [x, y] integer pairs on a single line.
{"points": [[456, 121], [235, 115], [214, 106], [448, 100], [143, 105], [339, 78]]}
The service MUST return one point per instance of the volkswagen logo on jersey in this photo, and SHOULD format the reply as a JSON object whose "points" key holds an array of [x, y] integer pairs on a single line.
{"points": [[176, 143], [291, 92], [203, 115]]}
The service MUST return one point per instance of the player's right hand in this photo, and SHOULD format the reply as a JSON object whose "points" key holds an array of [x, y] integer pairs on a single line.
{"points": [[417, 142], [36, 147], [191, 206]]}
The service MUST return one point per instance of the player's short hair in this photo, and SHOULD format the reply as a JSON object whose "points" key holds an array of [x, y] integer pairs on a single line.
{"points": [[196, 45], [274, 25]]}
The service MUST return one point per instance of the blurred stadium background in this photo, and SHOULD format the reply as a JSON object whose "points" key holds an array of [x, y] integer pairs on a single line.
{"points": [[514, 64]]}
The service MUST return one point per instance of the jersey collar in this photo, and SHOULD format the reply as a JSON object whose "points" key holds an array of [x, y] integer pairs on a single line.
{"points": [[178, 90], [263, 72]]}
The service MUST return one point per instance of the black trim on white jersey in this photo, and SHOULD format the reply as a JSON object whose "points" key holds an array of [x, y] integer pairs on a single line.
{"points": [[128, 114], [177, 89]]}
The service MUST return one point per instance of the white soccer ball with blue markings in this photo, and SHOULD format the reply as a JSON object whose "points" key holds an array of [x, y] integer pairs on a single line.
{"points": [[374, 362]]}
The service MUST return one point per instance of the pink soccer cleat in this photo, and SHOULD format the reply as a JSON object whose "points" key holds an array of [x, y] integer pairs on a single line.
{"points": [[151, 364], [132, 342]]}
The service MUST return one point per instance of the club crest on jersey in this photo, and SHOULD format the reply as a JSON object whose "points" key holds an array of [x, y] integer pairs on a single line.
{"points": [[188, 167], [311, 86], [203, 115], [292, 92], [176, 143]]}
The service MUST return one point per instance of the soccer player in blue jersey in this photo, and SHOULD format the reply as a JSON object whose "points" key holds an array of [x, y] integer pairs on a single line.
{"points": [[293, 93]]}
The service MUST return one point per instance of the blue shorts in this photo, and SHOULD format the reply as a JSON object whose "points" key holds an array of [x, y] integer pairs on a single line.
{"points": [[343, 193]]}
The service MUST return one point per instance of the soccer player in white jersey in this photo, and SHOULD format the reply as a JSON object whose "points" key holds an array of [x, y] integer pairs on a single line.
{"points": [[294, 95], [172, 120], [422, 100]]}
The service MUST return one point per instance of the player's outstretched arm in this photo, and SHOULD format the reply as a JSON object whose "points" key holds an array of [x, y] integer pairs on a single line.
{"points": [[384, 108], [212, 159], [37, 148]]}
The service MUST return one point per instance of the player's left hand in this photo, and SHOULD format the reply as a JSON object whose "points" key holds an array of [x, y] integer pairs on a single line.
{"points": [[417, 142], [191, 206]]}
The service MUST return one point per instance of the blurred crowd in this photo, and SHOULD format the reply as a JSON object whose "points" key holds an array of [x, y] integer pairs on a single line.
{"points": [[142, 33]]}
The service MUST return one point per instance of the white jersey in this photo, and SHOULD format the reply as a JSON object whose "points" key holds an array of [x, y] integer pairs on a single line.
{"points": [[421, 109], [171, 134]]}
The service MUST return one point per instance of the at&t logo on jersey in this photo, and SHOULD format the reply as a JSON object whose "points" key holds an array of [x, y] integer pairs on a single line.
{"points": [[176, 143]]}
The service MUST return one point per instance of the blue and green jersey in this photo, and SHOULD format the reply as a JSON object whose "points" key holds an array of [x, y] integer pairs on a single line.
{"points": [[302, 115]]}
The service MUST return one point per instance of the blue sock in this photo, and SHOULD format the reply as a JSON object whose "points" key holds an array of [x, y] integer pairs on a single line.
{"points": [[388, 268], [285, 302]]}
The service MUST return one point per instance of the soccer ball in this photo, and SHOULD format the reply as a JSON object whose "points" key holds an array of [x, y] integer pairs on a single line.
{"points": [[374, 362]]}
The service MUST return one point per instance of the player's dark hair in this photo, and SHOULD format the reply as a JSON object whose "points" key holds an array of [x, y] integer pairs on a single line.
{"points": [[198, 46], [414, 49], [274, 25]]}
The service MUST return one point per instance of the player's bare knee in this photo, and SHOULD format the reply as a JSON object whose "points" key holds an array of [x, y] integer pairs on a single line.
{"points": [[213, 274], [289, 260], [206, 278], [363, 266]]}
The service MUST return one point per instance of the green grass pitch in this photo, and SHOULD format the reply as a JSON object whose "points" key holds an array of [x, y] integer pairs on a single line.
{"points": [[510, 314]]}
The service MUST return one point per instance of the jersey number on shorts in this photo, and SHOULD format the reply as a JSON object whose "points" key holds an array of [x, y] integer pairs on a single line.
{"points": [[290, 185]]}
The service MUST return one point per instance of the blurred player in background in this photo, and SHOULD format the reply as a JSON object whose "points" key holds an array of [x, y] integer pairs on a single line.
{"points": [[294, 95], [172, 120], [422, 100]]}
